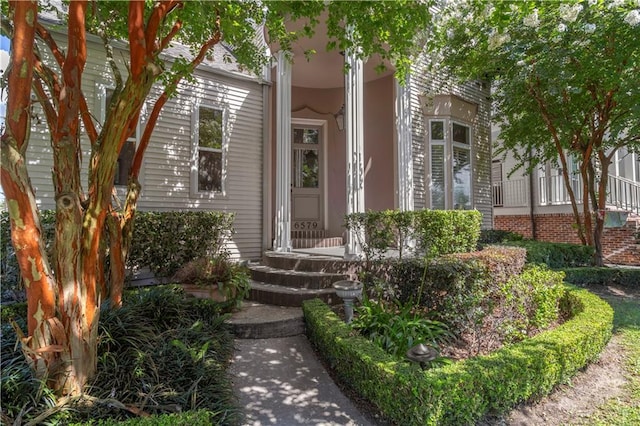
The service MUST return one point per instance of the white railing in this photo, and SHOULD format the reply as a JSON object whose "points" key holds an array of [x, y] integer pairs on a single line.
{"points": [[623, 194], [510, 193], [553, 191]]}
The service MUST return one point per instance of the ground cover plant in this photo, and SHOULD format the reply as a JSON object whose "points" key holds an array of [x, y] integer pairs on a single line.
{"points": [[462, 392], [159, 353]]}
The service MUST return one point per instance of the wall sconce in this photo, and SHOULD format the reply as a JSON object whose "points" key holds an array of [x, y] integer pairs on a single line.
{"points": [[339, 116]]}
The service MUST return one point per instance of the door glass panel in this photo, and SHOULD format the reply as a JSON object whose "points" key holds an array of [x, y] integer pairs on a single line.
{"points": [[461, 178], [306, 168], [306, 136]]}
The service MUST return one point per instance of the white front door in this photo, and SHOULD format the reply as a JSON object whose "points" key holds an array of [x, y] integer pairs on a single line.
{"points": [[307, 180]]}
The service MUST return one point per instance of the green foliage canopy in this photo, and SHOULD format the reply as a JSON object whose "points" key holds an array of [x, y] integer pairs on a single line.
{"points": [[569, 68]]}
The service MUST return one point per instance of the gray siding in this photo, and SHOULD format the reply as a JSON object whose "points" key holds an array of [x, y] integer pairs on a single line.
{"points": [[165, 176], [423, 81]]}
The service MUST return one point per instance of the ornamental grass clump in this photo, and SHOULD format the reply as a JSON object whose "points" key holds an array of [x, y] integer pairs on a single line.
{"points": [[160, 353]]}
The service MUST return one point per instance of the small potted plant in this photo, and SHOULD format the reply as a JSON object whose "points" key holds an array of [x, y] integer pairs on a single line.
{"points": [[215, 278]]}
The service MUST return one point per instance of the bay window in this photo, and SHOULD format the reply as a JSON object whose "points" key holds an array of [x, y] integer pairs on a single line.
{"points": [[450, 164]]}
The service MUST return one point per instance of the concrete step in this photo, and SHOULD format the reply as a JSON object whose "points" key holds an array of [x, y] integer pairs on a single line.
{"points": [[293, 278], [309, 263], [258, 321], [278, 295]]}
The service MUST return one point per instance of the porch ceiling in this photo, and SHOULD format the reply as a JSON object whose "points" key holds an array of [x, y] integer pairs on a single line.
{"points": [[324, 70]]}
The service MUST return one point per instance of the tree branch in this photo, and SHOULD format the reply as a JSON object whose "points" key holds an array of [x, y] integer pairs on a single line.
{"points": [[49, 110], [167, 39], [155, 113], [20, 73], [160, 11], [546, 116], [137, 48], [106, 43], [46, 37]]}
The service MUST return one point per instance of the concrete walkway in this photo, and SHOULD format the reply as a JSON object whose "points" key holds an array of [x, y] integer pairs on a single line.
{"points": [[280, 381]]}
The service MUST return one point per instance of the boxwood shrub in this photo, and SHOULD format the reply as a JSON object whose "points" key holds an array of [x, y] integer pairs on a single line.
{"points": [[462, 392], [556, 255], [162, 241], [623, 277], [435, 232], [458, 289]]}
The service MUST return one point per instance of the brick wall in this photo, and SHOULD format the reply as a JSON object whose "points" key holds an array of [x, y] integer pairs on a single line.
{"points": [[619, 244]]}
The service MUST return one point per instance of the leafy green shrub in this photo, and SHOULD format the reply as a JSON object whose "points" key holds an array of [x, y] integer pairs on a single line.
{"points": [[396, 328], [189, 418], [435, 232], [441, 232], [532, 301], [556, 255], [458, 289], [624, 277], [497, 236], [164, 241], [462, 392]]}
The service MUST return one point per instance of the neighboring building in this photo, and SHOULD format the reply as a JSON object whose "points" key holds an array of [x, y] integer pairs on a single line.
{"points": [[292, 151], [537, 205]]}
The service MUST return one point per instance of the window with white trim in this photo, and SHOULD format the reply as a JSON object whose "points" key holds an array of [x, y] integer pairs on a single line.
{"points": [[438, 159], [208, 171], [461, 166], [450, 169]]}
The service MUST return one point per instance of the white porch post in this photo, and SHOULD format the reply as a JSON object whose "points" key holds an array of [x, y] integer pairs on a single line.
{"points": [[282, 241], [354, 127], [405, 148]]}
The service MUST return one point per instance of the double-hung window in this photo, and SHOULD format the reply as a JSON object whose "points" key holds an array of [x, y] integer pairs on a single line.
{"points": [[438, 166], [450, 170], [461, 166], [208, 170]]}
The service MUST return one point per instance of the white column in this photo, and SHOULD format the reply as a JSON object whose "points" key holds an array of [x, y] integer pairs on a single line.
{"points": [[282, 241], [405, 148], [354, 126]]}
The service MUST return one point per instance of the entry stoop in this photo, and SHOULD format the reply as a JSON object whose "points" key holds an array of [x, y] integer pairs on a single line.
{"points": [[288, 279], [279, 285], [257, 321]]}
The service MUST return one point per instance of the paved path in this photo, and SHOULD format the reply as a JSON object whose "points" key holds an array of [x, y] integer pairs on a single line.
{"points": [[280, 382]]}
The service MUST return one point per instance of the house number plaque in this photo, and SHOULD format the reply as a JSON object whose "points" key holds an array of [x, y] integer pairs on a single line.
{"points": [[305, 225]]}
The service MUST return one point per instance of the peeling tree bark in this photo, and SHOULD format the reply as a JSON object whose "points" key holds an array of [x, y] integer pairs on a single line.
{"points": [[42, 343], [61, 341]]}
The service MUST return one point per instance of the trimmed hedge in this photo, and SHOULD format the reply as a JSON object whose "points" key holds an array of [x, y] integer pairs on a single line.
{"points": [[623, 277], [497, 236], [458, 289], [435, 232], [556, 255], [463, 392], [163, 241]]}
